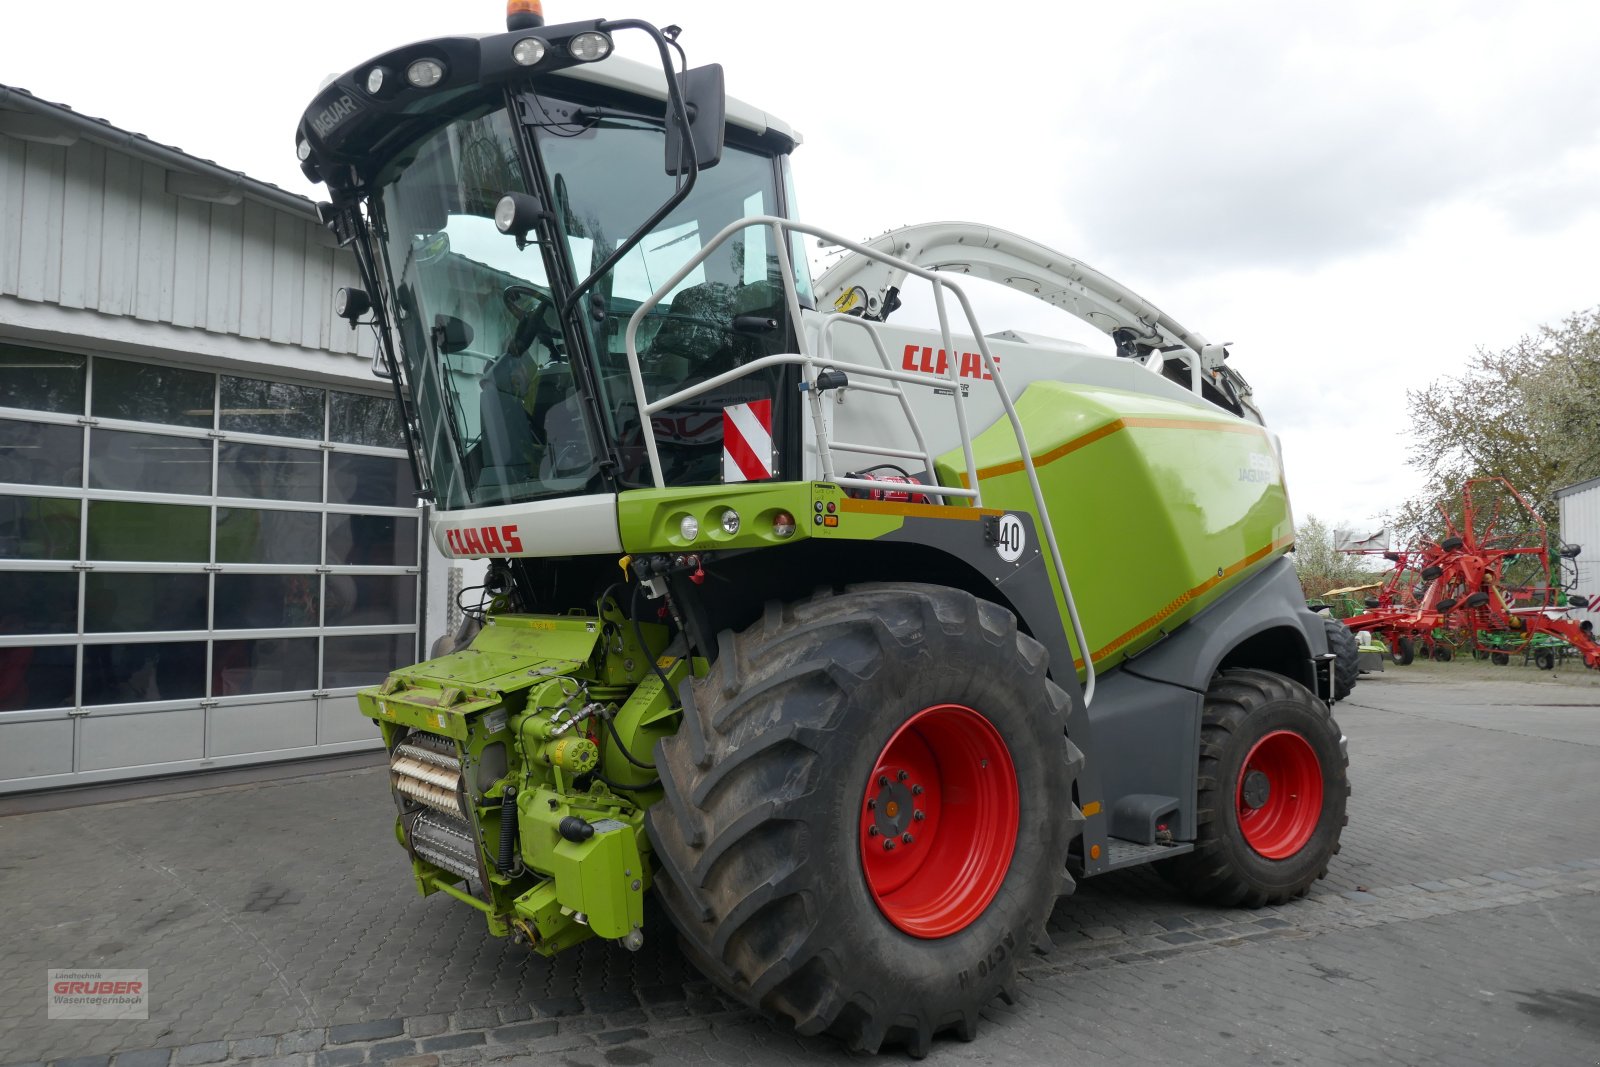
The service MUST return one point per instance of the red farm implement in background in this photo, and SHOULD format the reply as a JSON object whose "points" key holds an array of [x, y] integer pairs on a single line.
{"points": [[1488, 585]]}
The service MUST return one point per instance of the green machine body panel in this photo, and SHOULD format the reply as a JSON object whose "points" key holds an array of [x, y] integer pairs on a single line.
{"points": [[1172, 504], [487, 746]]}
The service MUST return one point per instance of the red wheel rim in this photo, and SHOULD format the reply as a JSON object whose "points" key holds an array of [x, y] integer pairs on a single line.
{"points": [[1279, 795], [939, 821]]}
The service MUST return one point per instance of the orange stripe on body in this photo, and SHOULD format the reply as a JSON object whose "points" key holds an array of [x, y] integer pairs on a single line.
{"points": [[920, 511], [1140, 421], [1184, 598], [1099, 433]]}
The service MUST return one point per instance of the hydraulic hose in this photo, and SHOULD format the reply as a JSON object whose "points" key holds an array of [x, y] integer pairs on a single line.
{"points": [[622, 748], [638, 633]]}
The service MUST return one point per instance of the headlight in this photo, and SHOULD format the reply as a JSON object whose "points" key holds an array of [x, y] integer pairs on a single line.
{"points": [[590, 46], [783, 524], [689, 527], [375, 78], [528, 51], [351, 304], [730, 522], [505, 214], [303, 150], [425, 73]]}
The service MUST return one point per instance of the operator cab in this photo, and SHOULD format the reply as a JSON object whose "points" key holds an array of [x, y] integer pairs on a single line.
{"points": [[506, 336]]}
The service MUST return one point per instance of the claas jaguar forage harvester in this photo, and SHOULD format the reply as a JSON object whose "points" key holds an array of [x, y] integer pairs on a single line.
{"points": [[856, 641]]}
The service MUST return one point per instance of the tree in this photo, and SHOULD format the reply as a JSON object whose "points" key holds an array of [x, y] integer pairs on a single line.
{"points": [[1529, 413], [1319, 567]]}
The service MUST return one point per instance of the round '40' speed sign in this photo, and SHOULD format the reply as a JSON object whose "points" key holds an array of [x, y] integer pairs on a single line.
{"points": [[1011, 538]]}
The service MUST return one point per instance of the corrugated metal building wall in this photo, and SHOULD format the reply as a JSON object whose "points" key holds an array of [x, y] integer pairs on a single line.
{"points": [[101, 227], [204, 502], [1580, 525]]}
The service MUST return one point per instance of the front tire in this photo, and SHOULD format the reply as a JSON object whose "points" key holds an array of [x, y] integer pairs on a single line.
{"points": [[819, 726], [1273, 789], [1404, 652]]}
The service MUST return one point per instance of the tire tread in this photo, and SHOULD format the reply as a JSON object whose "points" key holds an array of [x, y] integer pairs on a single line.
{"points": [[1209, 873], [730, 878]]}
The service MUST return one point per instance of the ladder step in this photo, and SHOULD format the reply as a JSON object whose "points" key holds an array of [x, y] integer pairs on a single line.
{"points": [[1130, 853]]}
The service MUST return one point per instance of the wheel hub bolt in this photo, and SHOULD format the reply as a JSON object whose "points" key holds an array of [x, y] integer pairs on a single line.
{"points": [[872, 803], [916, 790], [888, 844], [883, 780], [1257, 788], [907, 838], [872, 831], [919, 815], [901, 776]]}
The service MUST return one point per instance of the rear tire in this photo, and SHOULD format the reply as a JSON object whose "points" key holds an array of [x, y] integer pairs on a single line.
{"points": [[1273, 787], [1545, 660], [1442, 654], [764, 829], [1347, 668], [1499, 659], [1404, 652]]}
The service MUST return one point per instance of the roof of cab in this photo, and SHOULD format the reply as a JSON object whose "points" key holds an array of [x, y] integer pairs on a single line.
{"points": [[619, 72]]}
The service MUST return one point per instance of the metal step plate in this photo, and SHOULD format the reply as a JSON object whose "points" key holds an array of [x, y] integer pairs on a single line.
{"points": [[1131, 853]]}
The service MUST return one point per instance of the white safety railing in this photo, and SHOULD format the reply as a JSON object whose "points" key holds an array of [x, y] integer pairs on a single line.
{"points": [[813, 363]]}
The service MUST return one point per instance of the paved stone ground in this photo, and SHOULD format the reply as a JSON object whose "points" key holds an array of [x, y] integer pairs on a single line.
{"points": [[278, 924]]}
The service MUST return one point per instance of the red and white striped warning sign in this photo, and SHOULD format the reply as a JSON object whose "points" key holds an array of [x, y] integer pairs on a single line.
{"points": [[747, 441]]}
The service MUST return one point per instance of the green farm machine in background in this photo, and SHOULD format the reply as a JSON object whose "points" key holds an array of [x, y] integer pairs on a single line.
{"points": [[1358, 654], [857, 642]]}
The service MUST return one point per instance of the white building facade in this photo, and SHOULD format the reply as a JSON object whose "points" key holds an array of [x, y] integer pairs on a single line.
{"points": [[1580, 525], [209, 535]]}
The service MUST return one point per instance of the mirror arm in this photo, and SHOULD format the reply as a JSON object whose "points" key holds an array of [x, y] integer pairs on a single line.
{"points": [[678, 113]]}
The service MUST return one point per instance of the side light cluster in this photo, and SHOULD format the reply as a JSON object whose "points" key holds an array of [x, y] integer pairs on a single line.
{"points": [[728, 523]]}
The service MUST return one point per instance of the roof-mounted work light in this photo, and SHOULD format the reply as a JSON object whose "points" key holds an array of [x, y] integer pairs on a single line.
{"points": [[425, 73], [528, 51], [589, 46]]}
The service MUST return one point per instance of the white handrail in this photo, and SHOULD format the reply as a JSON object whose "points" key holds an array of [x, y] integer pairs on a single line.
{"points": [[781, 229]]}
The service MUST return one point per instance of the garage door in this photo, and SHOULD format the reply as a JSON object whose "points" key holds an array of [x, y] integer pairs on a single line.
{"points": [[197, 569]]}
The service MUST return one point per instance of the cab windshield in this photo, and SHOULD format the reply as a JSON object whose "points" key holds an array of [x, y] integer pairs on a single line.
{"points": [[491, 369], [730, 309]]}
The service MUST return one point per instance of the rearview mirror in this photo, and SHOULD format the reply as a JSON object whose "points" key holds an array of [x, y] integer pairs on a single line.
{"points": [[706, 100], [451, 334]]}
